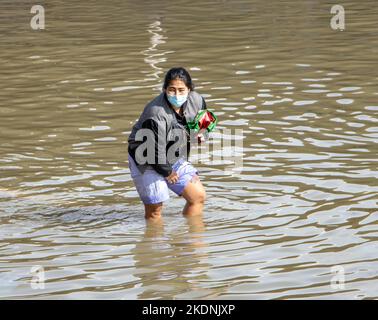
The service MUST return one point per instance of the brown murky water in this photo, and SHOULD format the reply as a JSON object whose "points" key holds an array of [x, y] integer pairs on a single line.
{"points": [[304, 205]]}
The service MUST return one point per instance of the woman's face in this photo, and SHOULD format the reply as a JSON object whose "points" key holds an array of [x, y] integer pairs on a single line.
{"points": [[177, 87]]}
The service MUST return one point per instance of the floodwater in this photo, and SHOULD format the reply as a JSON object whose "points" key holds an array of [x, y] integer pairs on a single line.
{"points": [[298, 219]]}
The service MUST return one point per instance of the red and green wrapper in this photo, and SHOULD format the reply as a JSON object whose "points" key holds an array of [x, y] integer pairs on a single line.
{"points": [[205, 119]]}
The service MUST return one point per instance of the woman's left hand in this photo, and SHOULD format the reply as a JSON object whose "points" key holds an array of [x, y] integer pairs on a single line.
{"points": [[173, 177]]}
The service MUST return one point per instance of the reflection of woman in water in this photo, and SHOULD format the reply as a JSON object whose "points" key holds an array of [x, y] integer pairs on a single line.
{"points": [[165, 121], [169, 264]]}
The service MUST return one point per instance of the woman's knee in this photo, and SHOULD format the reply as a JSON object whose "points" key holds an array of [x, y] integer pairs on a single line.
{"points": [[197, 197], [194, 192], [202, 196]]}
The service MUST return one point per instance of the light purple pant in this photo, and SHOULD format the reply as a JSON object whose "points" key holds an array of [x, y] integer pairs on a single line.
{"points": [[153, 188]]}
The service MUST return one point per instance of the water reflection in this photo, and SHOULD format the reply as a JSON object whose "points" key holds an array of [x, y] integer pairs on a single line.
{"points": [[171, 265]]}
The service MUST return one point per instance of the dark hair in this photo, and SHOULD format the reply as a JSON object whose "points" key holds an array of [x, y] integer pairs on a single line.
{"points": [[178, 73]]}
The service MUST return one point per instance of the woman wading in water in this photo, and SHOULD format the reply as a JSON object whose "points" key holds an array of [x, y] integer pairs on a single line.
{"points": [[159, 146]]}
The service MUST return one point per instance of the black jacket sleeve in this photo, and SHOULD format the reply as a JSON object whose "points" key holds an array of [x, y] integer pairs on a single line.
{"points": [[160, 164], [203, 104]]}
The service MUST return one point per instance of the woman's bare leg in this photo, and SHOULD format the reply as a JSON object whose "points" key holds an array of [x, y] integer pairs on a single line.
{"points": [[195, 196], [153, 211]]}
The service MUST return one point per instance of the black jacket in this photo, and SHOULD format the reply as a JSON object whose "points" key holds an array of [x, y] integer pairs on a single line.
{"points": [[166, 130]]}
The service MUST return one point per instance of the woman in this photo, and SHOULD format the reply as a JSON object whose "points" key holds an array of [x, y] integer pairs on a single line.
{"points": [[159, 145]]}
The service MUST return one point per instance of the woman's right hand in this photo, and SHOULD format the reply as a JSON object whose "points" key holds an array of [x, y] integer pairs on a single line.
{"points": [[173, 177]]}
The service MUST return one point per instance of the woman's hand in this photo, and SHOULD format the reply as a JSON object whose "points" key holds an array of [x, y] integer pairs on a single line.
{"points": [[173, 177], [200, 138]]}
